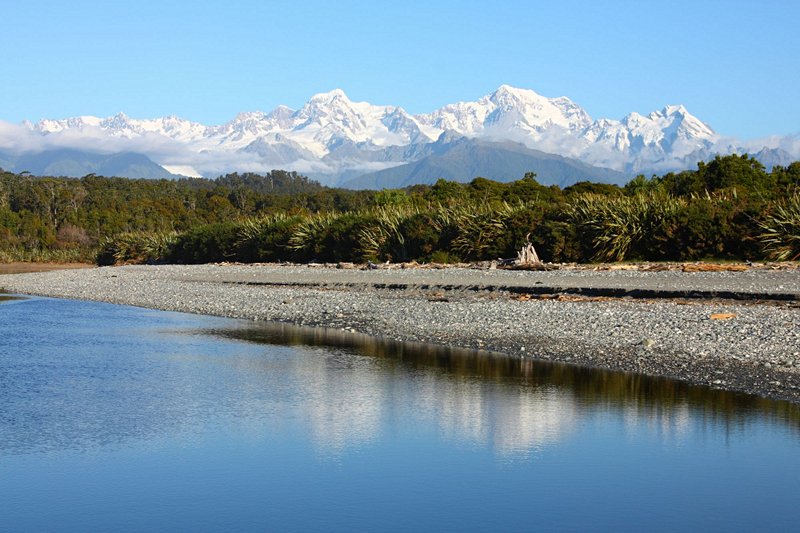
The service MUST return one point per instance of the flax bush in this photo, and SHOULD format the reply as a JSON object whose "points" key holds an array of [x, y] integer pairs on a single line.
{"points": [[20, 254], [333, 237], [618, 226], [384, 238], [266, 238], [140, 247], [780, 230], [484, 231]]}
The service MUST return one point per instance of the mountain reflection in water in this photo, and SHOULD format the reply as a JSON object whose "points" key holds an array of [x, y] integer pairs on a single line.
{"points": [[512, 404]]}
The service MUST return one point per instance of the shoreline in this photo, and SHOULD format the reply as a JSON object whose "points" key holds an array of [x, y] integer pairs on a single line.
{"points": [[19, 267], [665, 323]]}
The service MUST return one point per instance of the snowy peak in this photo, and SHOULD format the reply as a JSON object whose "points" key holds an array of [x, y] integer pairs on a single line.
{"points": [[507, 97], [673, 131], [671, 110], [399, 122], [336, 107], [677, 116], [688, 125], [536, 112], [120, 125], [54, 126], [330, 96], [514, 93], [119, 121], [281, 116], [330, 118], [243, 129], [333, 108], [508, 109], [673, 118], [466, 118]]}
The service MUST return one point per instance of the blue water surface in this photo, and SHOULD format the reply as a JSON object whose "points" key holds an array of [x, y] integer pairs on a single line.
{"points": [[115, 418]]}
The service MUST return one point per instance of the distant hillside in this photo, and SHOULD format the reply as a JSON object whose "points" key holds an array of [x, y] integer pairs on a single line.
{"points": [[771, 158], [463, 159], [76, 163], [276, 182]]}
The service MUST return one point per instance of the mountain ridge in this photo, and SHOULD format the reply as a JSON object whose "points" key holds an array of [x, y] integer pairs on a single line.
{"points": [[463, 159], [334, 138], [76, 163]]}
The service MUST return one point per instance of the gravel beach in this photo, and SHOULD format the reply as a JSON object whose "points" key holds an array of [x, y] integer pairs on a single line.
{"points": [[731, 330]]}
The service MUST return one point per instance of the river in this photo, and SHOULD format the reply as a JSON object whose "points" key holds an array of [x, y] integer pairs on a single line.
{"points": [[127, 419]]}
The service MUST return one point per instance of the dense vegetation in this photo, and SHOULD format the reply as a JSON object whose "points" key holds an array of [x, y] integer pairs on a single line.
{"points": [[67, 219], [729, 208]]}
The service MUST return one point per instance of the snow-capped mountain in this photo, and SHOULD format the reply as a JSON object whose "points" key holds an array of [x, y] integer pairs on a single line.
{"points": [[120, 125], [332, 137], [508, 110], [653, 142], [325, 120]]}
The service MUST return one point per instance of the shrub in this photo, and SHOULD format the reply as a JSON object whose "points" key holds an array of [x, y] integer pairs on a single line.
{"points": [[330, 237], [780, 230], [68, 233], [422, 237], [621, 226], [265, 239], [206, 244], [381, 237], [557, 241], [142, 247], [483, 230]]}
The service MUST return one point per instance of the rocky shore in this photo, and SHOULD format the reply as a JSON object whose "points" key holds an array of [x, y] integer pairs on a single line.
{"points": [[735, 329]]}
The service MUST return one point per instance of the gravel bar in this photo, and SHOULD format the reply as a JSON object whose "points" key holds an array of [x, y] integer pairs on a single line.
{"points": [[730, 330]]}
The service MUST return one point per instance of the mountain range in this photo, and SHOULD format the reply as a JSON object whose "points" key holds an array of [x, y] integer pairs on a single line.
{"points": [[357, 144], [76, 163]]}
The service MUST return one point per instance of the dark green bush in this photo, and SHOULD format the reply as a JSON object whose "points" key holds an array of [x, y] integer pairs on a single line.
{"points": [[557, 241], [335, 241], [210, 243], [420, 238], [266, 242], [518, 229]]}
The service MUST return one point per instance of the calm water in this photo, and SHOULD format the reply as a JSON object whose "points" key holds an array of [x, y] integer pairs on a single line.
{"points": [[116, 418]]}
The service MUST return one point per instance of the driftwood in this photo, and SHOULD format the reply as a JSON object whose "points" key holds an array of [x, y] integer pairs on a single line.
{"points": [[713, 267], [527, 258], [527, 255]]}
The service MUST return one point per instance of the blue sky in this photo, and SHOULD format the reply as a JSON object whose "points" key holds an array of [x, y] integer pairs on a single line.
{"points": [[735, 65]]}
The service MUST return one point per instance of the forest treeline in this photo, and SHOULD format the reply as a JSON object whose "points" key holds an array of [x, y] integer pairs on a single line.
{"points": [[728, 208]]}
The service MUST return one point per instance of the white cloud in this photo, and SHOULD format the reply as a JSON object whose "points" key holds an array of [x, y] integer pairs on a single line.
{"points": [[789, 143], [18, 138]]}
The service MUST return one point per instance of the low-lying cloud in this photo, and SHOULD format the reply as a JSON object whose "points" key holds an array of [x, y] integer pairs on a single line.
{"points": [[212, 160]]}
